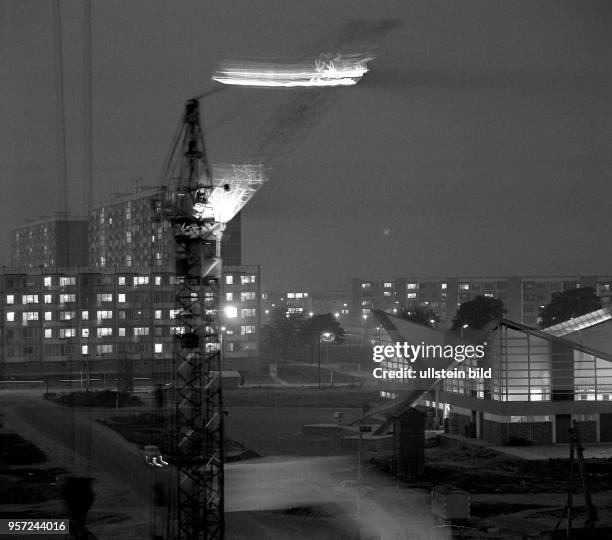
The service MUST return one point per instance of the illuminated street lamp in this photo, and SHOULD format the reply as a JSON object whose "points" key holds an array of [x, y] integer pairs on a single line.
{"points": [[327, 337]]}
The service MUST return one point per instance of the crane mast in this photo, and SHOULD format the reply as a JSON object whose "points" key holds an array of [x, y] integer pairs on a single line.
{"points": [[197, 211], [199, 406]]}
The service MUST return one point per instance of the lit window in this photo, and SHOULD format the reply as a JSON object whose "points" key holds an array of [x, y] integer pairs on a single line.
{"points": [[290, 295], [48, 333], [67, 332], [229, 280], [464, 286], [412, 286], [67, 315], [84, 349], [141, 280], [248, 312], [103, 332], [48, 299], [104, 349], [229, 297], [121, 280], [249, 329], [141, 331], [411, 295], [106, 314], [443, 286], [85, 332], [173, 313], [366, 285], [64, 281], [30, 316], [48, 316], [158, 314], [247, 295], [10, 316], [105, 297], [299, 295], [10, 298], [388, 285], [84, 315], [158, 348], [231, 312], [47, 281], [246, 280], [29, 298], [63, 298], [121, 298], [121, 332], [158, 280]]}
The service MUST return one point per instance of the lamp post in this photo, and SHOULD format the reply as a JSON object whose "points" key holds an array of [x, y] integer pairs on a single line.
{"points": [[223, 328], [319, 362], [327, 336]]}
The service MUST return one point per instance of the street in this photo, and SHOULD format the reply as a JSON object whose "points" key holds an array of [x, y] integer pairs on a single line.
{"points": [[312, 495]]}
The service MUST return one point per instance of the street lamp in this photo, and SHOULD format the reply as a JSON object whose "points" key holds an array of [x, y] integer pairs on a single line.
{"points": [[327, 337]]}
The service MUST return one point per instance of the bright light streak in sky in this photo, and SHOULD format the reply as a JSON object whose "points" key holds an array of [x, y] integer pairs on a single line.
{"points": [[340, 70]]}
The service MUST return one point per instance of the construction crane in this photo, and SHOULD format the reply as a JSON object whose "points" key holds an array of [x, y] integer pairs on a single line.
{"points": [[197, 208]]}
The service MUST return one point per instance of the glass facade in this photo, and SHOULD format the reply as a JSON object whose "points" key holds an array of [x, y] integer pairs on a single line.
{"points": [[527, 366]]}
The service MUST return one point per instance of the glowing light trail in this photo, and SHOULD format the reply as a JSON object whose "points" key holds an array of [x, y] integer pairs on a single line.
{"points": [[340, 70]]}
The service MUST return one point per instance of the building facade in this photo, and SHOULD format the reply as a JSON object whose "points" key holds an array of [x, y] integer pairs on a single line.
{"points": [[539, 385], [125, 231], [63, 321], [241, 317], [522, 296], [48, 242]]}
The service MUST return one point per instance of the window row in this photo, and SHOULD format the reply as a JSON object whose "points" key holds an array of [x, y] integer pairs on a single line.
{"points": [[104, 315], [245, 279]]}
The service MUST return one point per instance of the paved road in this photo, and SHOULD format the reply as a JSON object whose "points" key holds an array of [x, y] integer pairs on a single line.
{"points": [[258, 492]]}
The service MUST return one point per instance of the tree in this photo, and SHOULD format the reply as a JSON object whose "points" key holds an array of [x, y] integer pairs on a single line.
{"points": [[569, 304], [478, 312], [420, 315], [313, 327], [281, 332]]}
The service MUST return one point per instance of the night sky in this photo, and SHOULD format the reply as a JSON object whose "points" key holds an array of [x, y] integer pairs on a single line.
{"points": [[478, 144]]}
